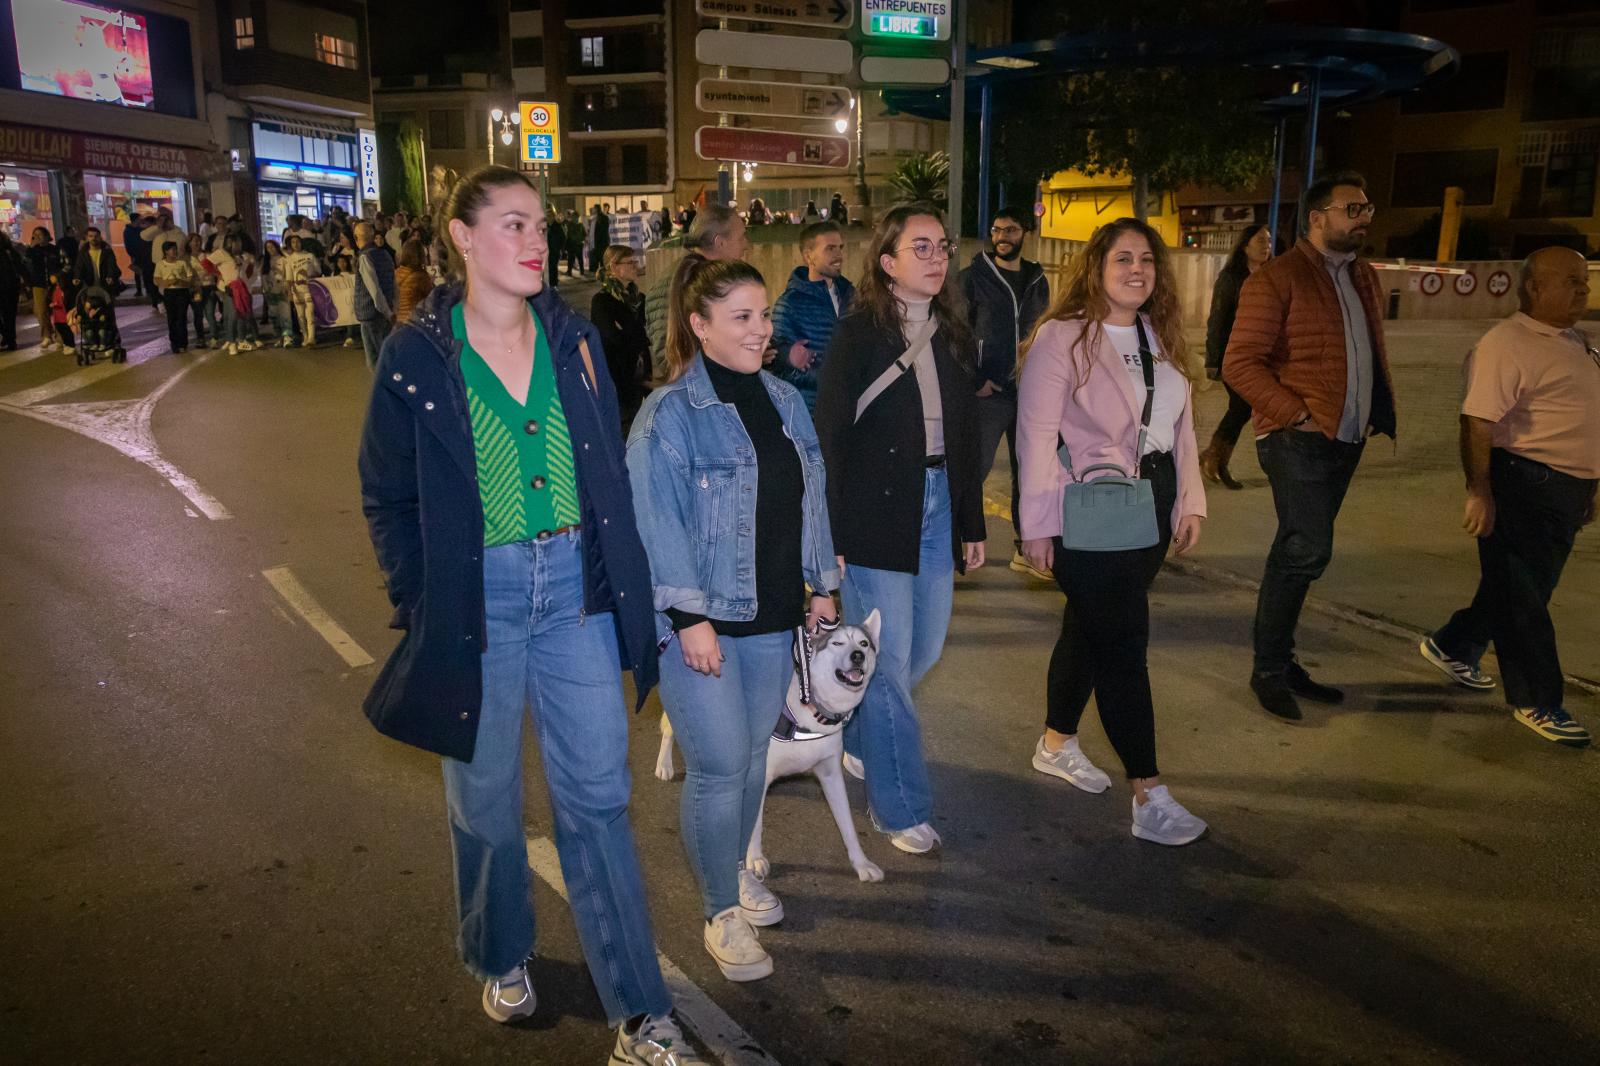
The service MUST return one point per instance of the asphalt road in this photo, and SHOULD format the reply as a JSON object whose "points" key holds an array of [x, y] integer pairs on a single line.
{"points": [[210, 856]]}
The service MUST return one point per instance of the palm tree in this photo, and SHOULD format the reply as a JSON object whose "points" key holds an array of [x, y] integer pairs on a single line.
{"points": [[923, 178]]}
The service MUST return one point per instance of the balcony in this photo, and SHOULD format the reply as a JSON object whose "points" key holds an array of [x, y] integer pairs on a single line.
{"points": [[593, 57], [608, 120], [595, 14]]}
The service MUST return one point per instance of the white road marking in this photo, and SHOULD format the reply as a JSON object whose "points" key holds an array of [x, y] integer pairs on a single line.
{"points": [[306, 606], [120, 424], [24, 355], [720, 1035], [72, 382]]}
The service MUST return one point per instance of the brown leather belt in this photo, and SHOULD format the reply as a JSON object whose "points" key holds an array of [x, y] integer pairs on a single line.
{"points": [[546, 534]]}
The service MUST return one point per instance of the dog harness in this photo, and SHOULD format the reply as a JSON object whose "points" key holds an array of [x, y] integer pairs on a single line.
{"points": [[788, 728]]}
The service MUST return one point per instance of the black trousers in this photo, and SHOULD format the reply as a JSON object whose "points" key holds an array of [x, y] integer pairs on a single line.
{"points": [[176, 302], [1105, 632], [1234, 419], [1309, 474], [8, 318], [1538, 512]]}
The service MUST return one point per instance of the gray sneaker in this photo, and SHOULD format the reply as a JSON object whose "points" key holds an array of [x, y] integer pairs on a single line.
{"points": [[510, 997], [1164, 820], [1069, 763], [657, 1042]]}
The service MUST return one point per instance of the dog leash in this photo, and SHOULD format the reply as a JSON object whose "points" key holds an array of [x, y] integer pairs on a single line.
{"points": [[802, 653]]}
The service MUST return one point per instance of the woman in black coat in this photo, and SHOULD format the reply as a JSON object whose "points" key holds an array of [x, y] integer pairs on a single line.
{"points": [[617, 311], [1253, 248], [905, 496]]}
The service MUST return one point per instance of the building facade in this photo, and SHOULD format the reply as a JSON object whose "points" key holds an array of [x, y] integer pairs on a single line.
{"points": [[291, 102], [103, 116]]}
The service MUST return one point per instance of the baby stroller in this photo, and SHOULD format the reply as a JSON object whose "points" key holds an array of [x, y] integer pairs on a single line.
{"points": [[97, 327]]}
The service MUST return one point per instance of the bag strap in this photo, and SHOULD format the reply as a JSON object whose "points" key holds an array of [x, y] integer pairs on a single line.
{"points": [[1148, 362], [588, 364], [921, 347]]}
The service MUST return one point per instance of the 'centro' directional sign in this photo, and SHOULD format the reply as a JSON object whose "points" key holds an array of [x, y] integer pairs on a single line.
{"points": [[838, 14], [726, 144], [916, 20], [728, 96]]}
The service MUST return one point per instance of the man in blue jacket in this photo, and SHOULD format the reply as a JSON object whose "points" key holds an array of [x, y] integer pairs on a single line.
{"points": [[1005, 295], [804, 316], [374, 292]]}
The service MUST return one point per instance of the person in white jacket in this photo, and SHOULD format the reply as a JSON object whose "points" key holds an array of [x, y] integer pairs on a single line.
{"points": [[299, 267], [227, 273]]}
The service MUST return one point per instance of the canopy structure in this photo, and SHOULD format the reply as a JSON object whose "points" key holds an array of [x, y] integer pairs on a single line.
{"points": [[1320, 67]]}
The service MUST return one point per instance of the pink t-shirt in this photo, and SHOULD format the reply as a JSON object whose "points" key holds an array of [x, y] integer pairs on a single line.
{"points": [[1540, 386]]}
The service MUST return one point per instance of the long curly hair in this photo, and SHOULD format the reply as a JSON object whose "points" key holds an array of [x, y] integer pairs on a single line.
{"points": [[1083, 296], [875, 292]]}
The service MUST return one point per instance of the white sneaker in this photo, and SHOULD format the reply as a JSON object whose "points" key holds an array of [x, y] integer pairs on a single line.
{"points": [[348, 343], [918, 840], [1020, 564], [657, 1042], [1071, 765], [510, 997], [853, 767], [732, 942], [247, 346], [1164, 820], [756, 901], [232, 348]]}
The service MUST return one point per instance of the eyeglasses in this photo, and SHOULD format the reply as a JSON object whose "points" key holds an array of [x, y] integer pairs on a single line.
{"points": [[923, 248], [1353, 210]]}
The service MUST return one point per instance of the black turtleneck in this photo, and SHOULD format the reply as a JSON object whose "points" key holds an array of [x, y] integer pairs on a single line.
{"points": [[780, 516]]}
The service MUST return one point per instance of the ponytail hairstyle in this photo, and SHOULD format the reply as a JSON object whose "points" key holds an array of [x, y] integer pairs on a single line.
{"points": [[697, 283], [1082, 296], [469, 197], [875, 293]]}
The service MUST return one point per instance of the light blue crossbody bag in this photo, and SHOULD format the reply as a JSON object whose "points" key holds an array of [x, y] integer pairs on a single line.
{"points": [[1115, 512]]}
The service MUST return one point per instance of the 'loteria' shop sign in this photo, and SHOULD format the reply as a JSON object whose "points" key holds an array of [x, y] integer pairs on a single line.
{"points": [[113, 155]]}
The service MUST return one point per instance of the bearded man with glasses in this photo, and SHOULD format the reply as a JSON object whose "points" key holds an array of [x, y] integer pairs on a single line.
{"points": [[1307, 352], [1004, 295]]}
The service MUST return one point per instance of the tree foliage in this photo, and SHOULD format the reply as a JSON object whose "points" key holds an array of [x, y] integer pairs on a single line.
{"points": [[923, 178], [405, 187]]}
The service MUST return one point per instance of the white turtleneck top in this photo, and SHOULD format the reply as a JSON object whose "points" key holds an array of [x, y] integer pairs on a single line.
{"points": [[917, 311]]}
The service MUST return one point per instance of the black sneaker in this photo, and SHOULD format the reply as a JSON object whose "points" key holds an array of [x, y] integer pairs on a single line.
{"points": [[1272, 691], [1300, 684]]}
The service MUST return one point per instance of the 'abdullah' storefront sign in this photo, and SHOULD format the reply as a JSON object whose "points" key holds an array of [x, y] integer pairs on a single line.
{"points": [[86, 151]]}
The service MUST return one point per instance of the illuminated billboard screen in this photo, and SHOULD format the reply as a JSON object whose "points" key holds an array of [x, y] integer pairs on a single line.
{"points": [[84, 51]]}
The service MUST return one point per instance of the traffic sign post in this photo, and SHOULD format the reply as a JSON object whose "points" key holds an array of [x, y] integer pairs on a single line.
{"points": [[540, 132], [727, 144], [907, 20], [835, 14], [734, 97]]}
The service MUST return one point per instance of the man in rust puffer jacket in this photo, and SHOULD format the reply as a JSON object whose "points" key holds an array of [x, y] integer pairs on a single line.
{"points": [[1307, 352]]}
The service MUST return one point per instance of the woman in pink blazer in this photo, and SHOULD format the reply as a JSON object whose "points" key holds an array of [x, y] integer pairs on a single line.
{"points": [[1082, 382]]}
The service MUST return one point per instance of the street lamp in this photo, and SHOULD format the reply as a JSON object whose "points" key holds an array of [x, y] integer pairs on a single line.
{"points": [[509, 123]]}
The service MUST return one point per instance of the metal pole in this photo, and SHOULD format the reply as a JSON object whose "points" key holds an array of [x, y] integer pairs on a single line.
{"points": [[985, 131], [1278, 137], [958, 113], [1313, 102]]}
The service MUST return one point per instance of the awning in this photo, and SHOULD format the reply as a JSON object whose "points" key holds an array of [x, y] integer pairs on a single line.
{"points": [[303, 125]]}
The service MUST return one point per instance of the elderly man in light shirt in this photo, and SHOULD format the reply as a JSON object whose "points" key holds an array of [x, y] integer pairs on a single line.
{"points": [[1530, 444]]}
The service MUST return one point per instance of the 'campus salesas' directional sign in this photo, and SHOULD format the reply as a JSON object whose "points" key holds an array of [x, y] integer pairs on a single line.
{"points": [[837, 14], [913, 20], [727, 144], [540, 132], [733, 97], [766, 51]]}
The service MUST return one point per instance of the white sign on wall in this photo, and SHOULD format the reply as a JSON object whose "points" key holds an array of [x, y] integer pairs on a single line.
{"points": [[368, 143]]}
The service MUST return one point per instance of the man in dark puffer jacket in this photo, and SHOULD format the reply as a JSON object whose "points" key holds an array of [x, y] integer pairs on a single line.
{"points": [[806, 311]]}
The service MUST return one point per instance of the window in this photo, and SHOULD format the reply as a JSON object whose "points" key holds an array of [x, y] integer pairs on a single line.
{"points": [[1479, 86], [1566, 73], [592, 52], [527, 51], [1558, 173], [1420, 178], [635, 164], [595, 165], [244, 33], [336, 51], [447, 129]]}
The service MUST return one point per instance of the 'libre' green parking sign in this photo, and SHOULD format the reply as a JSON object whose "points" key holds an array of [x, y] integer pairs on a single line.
{"points": [[915, 20]]}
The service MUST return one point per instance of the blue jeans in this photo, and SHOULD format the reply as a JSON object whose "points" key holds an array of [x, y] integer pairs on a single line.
{"points": [[373, 332], [915, 608], [723, 725], [542, 652]]}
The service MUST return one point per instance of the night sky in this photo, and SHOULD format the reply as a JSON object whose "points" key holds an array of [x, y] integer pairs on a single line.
{"points": [[409, 36]]}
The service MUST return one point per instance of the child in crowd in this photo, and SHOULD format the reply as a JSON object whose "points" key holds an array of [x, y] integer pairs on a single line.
{"points": [[63, 295]]}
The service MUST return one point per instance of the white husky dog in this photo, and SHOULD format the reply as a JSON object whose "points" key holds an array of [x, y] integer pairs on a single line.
{"points": [[808, 737]]}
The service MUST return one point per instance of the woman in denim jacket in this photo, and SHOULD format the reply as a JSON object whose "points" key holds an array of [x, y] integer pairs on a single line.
{"points": [[730, 565]]}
